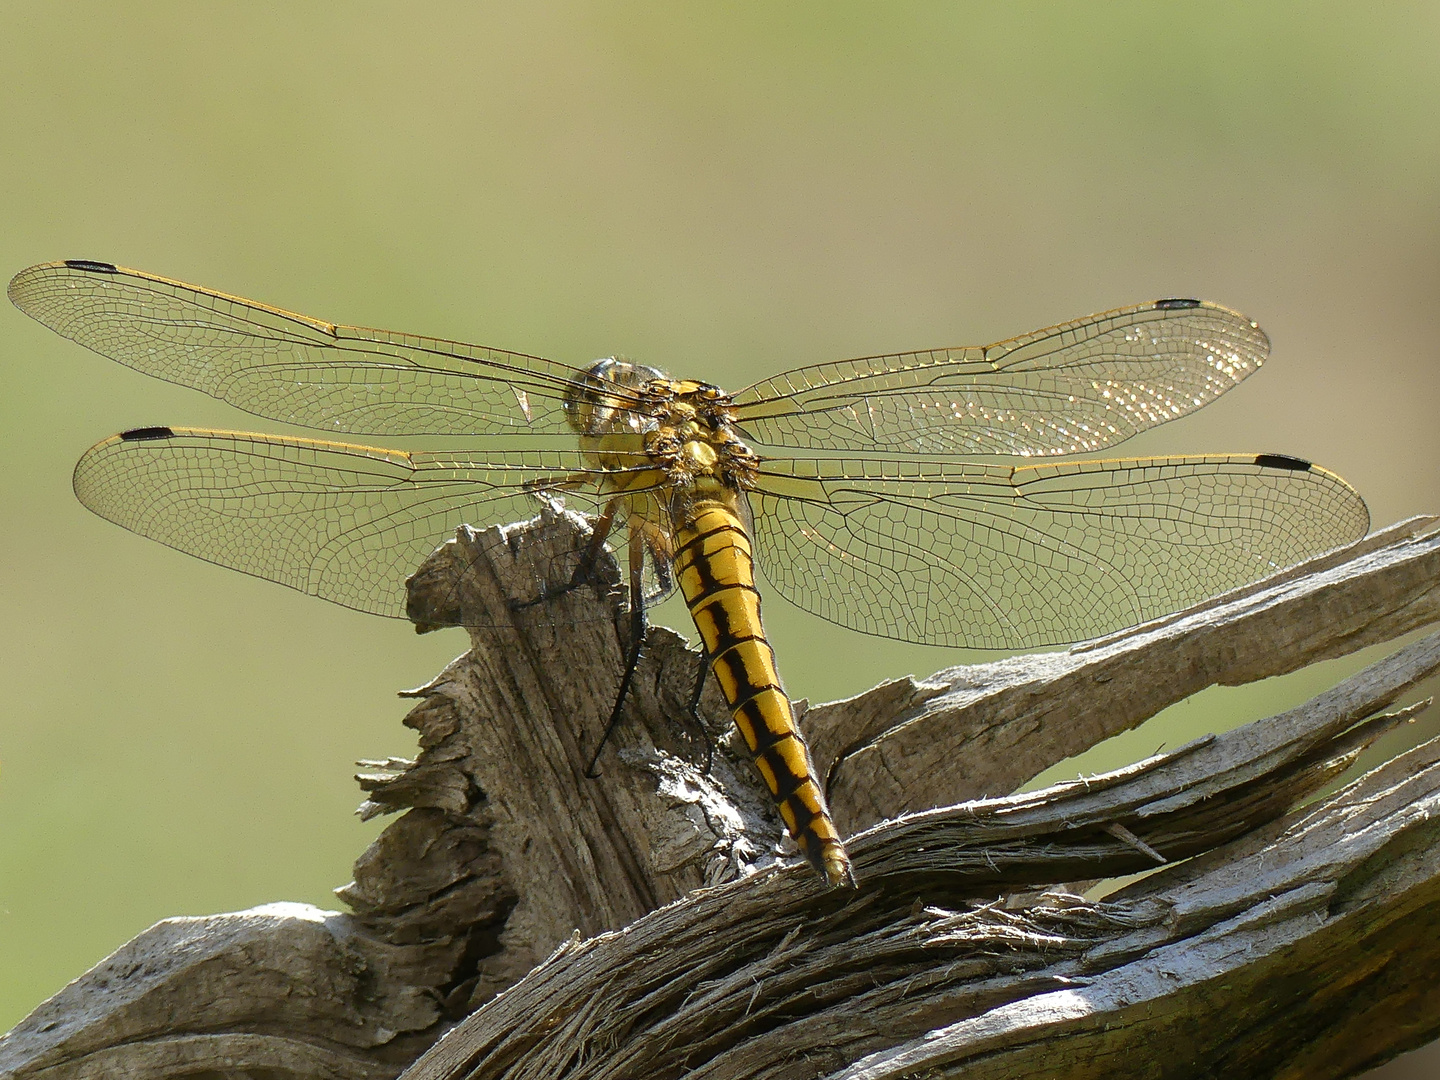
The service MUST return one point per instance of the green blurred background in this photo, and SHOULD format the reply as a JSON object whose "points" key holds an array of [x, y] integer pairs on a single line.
{"points": [[724, 190]]}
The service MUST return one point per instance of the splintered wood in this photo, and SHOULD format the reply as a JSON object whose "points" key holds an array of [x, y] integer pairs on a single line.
{"points": [[654, 922]]}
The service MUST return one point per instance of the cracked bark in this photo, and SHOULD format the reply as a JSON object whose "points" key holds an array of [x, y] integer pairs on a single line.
{"points": [[651, 924]]}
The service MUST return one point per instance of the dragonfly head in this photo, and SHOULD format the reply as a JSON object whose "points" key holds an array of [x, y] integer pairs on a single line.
{"points": [[607, 399]]}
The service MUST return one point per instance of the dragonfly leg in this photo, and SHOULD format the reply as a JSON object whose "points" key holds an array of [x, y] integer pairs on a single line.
{"points": [[585, 570], [637, 640], [661, 557], [694, 711]]}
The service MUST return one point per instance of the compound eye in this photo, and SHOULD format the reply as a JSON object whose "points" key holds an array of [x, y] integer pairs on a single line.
{"points": [[604, 370]]}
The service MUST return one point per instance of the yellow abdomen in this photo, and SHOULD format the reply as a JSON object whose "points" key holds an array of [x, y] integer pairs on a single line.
{"points": [[717, 576]]}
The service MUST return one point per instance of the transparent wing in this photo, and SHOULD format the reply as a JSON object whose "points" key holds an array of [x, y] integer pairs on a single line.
{"points": [[292, 368], [1074, 388], [996, 557], [343, 522]]}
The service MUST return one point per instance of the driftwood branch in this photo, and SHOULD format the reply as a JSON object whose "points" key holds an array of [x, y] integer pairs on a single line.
{"points": [[652, 924]]}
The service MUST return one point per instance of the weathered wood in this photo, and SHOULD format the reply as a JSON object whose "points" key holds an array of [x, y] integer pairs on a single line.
{"points": [[988, 728], [506, 853], [513, 725], [280, 990], [773, 977]]}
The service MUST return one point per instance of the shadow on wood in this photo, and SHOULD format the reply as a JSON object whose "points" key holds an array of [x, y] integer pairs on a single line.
{"points": [[654, 923]]}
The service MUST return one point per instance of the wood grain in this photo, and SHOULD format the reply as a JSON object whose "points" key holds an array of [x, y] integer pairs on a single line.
{"points": [[654, 922]]}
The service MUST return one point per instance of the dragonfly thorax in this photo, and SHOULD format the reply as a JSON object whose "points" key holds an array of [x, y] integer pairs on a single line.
{"points": [[681, 426]]}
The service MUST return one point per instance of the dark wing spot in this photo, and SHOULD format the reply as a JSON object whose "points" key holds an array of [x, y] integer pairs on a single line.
{"points": [[140, 434], [1176, 305], [1281, 461], [92, 266]]}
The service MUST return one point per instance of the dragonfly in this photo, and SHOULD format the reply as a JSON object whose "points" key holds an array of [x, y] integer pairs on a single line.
{"points": [[913, 496]]}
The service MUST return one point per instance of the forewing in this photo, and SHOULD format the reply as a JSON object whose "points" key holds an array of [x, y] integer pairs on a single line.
{"points": [[1074, 388], [288, 367], [996, 557], [343, 522]]}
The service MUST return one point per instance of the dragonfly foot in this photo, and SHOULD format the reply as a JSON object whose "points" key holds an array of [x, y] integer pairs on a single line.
{"points": [[582, 577]]}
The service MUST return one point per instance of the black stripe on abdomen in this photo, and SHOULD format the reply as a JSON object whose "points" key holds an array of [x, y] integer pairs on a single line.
{"points": [[716, 573]]}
